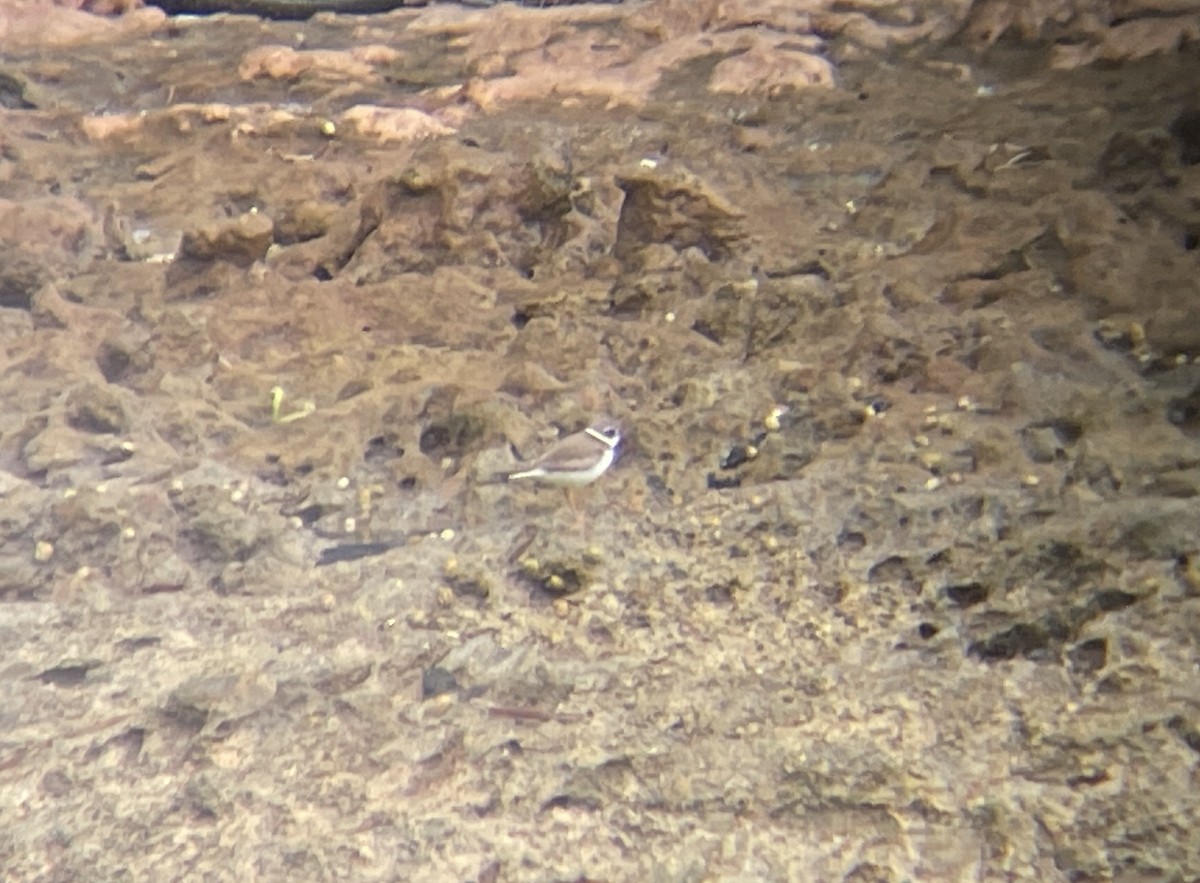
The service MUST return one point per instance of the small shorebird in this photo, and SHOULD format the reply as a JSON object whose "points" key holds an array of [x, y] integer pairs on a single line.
{"points": [[577, 459]]}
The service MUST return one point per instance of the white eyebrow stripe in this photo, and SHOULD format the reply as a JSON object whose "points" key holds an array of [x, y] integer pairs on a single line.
{"points": [[601, 437]]}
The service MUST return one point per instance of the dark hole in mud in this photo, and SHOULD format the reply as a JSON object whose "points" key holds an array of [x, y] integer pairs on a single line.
{"points": [[15, 296], [1088, 656], [353, 389], [894, 567], [1185, 731], [449, 437], [569, 801], [67, 675], [113, 362], [407, 483], [719, 594], [927, 630], [851, 540], [1022, 639], [310, 514], [1185, 411], [723, 483], [1185, 128], [383, 447], [1109, 600], [705, 330], [352, 552], [95, 421], [966, 594], [520, 319]]}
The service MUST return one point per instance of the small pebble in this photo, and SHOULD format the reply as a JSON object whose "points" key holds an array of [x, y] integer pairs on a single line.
{"points": [[343, 483], [349, 524], [933, 483], [447, 534]]}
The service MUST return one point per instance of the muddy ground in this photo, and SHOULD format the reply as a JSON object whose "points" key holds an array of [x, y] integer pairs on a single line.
{"points": [[895, 579]]}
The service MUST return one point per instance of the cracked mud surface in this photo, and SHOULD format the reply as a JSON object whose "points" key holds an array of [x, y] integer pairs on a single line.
{"points": [[896, 578]]}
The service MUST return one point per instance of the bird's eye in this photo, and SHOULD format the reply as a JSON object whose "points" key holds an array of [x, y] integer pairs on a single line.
{"points": [[610, 432]]}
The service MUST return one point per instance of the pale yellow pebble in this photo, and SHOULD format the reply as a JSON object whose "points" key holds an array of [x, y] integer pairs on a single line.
{"points": [[561, 607], [43, 551], [447, 534], [1031, 480], [921, 441], [933, 483], [445, 596], [931, 459], [349, 524], [328, 601], [343, 483], [128, 533]]}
